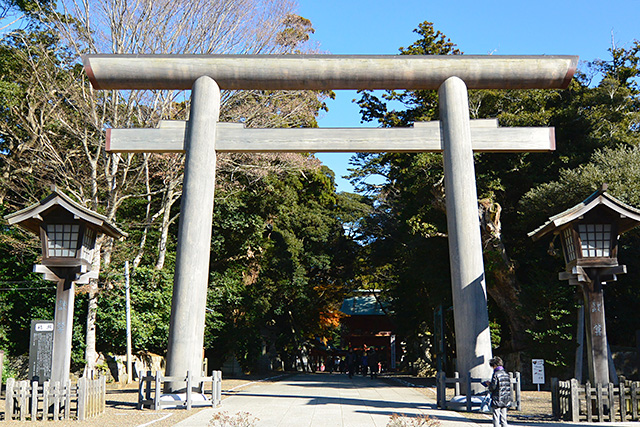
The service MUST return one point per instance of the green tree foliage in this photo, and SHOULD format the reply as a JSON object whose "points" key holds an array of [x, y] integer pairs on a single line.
{"points": [[150, 312], [619, 167], [52, 132], [406, 229], [281, 265]]}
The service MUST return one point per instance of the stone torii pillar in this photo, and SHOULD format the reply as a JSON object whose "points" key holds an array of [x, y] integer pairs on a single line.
{"points": [[452, 75], [468, 286], [188, 306]]}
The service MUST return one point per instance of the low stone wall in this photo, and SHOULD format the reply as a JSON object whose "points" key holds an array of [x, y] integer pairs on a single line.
{"points": [[115, 366]]}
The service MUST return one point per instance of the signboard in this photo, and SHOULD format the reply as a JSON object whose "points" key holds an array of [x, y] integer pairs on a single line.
{"points": [[537, 366], [41, 350], [392, 346]]}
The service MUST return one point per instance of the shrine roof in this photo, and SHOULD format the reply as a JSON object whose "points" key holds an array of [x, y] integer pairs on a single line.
{"points": [[367, 305]]}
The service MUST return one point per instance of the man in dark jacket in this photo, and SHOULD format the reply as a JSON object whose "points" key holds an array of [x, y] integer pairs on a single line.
{"points": [[500, 388], [351, 363]]}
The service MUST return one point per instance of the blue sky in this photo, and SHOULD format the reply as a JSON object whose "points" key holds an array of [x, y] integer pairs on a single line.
{"points": [[560, 27]]}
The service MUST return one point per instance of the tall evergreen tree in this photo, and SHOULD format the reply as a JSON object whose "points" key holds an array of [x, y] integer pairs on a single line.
{"points": [[408, 223]]}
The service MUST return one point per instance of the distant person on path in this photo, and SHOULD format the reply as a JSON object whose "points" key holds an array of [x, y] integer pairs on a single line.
{"points": [[500, 388], [351, 362], [364, 362], [373, 362]]}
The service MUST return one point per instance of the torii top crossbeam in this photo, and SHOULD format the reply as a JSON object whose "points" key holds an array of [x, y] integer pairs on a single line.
{"points": [[329, 72]]}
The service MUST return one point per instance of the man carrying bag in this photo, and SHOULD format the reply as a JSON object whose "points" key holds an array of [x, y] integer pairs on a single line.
{"points": [[500, 389]]}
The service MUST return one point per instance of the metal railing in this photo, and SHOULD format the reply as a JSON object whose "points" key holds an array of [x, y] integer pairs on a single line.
{"points": [[151, 386]]}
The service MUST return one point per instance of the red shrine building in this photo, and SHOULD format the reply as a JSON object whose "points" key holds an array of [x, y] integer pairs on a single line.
{"points": [[366, 324]]}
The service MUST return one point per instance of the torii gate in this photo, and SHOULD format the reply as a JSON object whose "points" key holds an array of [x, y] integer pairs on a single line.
{"points": [[455, 135]]}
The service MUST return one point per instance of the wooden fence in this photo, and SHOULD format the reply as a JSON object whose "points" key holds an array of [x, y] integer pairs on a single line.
{"points": [[575, 402], [54, 401], [150, 395], [442, 383]]}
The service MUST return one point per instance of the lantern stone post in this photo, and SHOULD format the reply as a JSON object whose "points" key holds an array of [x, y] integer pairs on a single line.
{"points": [[68, 233], [589, 235], [596, 328]]}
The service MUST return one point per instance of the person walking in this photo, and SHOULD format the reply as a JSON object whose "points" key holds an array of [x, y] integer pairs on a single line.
{"points": [[373, 362], [351, 362], [364, 362], [500, 389]]}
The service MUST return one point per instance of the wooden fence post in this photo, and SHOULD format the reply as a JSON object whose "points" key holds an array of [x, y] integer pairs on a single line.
{"points": [[622, 391], [587, 394], [441, 390], [24, 390], [469, 391], [563, 408], [214, 384], [611, 401], [575, 402], [56, 401], [512, 386], [67, 400], [90, 389], [555, 398], [45, 401], [156, 397], [82, 398], [34, 400], [189, 391], [518, 392], [599, 402], [103, 394], [9, 396], [217, 397], [634, 401], [148, 392], [141, 382]]}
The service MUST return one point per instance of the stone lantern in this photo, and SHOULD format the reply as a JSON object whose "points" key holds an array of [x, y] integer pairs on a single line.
{"points": [[68, 233], [589, 235]]}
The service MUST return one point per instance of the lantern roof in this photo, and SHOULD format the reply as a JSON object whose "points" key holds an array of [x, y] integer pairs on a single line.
{"points": [[629, 217], [31, 217]]}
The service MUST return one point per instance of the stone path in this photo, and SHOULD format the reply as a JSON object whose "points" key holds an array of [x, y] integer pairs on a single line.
{"points": [[327, 400]]}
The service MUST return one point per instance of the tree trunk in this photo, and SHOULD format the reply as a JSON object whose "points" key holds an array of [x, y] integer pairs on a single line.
{"points": [[90, 353], [168, 200], [502, 284], [147, 217]]}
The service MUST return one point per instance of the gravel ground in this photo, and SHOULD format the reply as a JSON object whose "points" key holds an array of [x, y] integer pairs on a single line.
{"points": [[121, 408], [122, 401], [535, 405]]}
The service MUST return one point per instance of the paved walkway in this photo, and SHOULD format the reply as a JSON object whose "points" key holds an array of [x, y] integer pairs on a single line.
{"points": [[327, 400]]}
